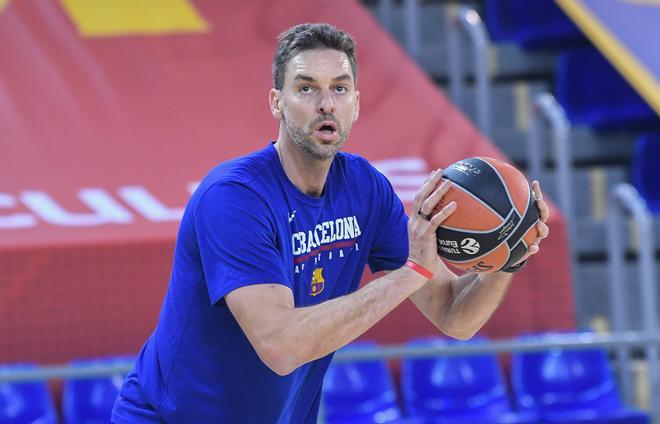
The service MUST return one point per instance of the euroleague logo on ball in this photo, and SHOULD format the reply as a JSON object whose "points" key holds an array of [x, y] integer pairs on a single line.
{"points": [[470, 246]]}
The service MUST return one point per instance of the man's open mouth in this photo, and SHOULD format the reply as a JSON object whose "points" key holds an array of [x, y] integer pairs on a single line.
{"points": [[327, 127]]}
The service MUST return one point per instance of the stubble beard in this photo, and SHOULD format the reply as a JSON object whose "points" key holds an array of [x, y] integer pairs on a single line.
{"points": [[304, 141]]}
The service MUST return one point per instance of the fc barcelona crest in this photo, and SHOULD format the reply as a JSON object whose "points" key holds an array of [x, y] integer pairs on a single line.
{"points": [[318, 282]]}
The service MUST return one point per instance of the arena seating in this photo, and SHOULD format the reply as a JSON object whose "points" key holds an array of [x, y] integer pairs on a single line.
{"points": [[595, 94], [543, 25], [567, 386], [551, 386], [360, 392], [645, 172], [466, 389], [591, 90], [555, 386], [606, 116], [90, 400], [29, 402]]}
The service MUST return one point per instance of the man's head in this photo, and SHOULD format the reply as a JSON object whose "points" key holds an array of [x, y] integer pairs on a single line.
{"points": [[314, 94]]}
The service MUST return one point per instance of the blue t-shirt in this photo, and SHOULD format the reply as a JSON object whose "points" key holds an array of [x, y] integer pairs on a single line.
{"points": [[248, 224]]}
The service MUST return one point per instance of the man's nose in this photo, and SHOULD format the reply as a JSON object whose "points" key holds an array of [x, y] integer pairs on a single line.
{"points": [[327, 103]]}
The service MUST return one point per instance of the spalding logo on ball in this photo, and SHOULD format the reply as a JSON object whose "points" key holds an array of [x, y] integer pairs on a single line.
{"points": [[495, 219]]}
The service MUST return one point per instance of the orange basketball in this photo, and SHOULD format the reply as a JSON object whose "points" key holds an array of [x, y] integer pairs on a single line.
{"points": [[495, 218]]}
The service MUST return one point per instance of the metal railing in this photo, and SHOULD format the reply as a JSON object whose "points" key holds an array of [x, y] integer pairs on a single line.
{"points": [[546, 110], [565, 341], [65, 372], [615, 341], [411, 28], [568, 341], [625, 199], [466, 21]]}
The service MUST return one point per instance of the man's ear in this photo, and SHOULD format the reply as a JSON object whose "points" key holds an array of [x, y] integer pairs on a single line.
{"points": [[274, 101], [356, 114]]}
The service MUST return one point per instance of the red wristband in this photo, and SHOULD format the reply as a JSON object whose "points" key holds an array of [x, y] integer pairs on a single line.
{"points": [[419, 269]]}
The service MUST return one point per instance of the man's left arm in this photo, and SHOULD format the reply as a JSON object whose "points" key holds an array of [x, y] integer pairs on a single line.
{"points": [[460, 305]]}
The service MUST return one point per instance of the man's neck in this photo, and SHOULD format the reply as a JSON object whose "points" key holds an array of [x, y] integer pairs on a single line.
{"points": [[306, 173]]}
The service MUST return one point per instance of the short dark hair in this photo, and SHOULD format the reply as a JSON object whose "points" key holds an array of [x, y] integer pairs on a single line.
{"points": [[307, 37]]}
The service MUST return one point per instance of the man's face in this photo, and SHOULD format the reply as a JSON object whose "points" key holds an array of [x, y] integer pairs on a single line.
{"points": [[318, 101]]}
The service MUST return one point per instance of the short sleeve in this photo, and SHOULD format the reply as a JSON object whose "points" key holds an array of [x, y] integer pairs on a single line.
{"points": [[390, 248], [238, 242]]}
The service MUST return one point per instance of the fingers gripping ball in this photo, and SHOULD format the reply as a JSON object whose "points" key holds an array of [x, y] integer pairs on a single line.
{"points": [[495, 220]]}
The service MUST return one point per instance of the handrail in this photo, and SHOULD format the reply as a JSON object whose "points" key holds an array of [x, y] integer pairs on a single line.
{"points": [[542, 342], [65, 371], [467, 20], [411, 27], [625, 198], [556, 341], [545, 108]]}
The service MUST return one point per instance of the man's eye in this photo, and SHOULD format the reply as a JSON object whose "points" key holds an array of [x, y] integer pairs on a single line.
{"points": [[305, 89], [341, 89]]}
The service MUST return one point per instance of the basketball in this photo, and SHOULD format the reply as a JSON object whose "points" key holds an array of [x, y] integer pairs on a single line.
{"points": [[495, 218]]}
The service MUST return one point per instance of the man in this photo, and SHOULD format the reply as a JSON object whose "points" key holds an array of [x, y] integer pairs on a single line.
{"points": [[270, 252]]}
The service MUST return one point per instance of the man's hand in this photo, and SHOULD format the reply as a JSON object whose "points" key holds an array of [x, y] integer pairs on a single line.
{"points": [[541, 225], [422, 226]]}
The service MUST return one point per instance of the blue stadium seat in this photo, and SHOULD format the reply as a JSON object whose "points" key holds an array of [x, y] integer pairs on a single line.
{"points": [[360, 392], [595, 94], [569, 386], [90, 400], [645, 170], [466, 389], [24, 403], [543, 25]]}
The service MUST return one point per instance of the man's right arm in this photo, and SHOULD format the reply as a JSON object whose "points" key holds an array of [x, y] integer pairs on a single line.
{"points": [[286, 337]]}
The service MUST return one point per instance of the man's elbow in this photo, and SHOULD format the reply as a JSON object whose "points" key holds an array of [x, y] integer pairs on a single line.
{"points": [[275, 357], [460, 333]]}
